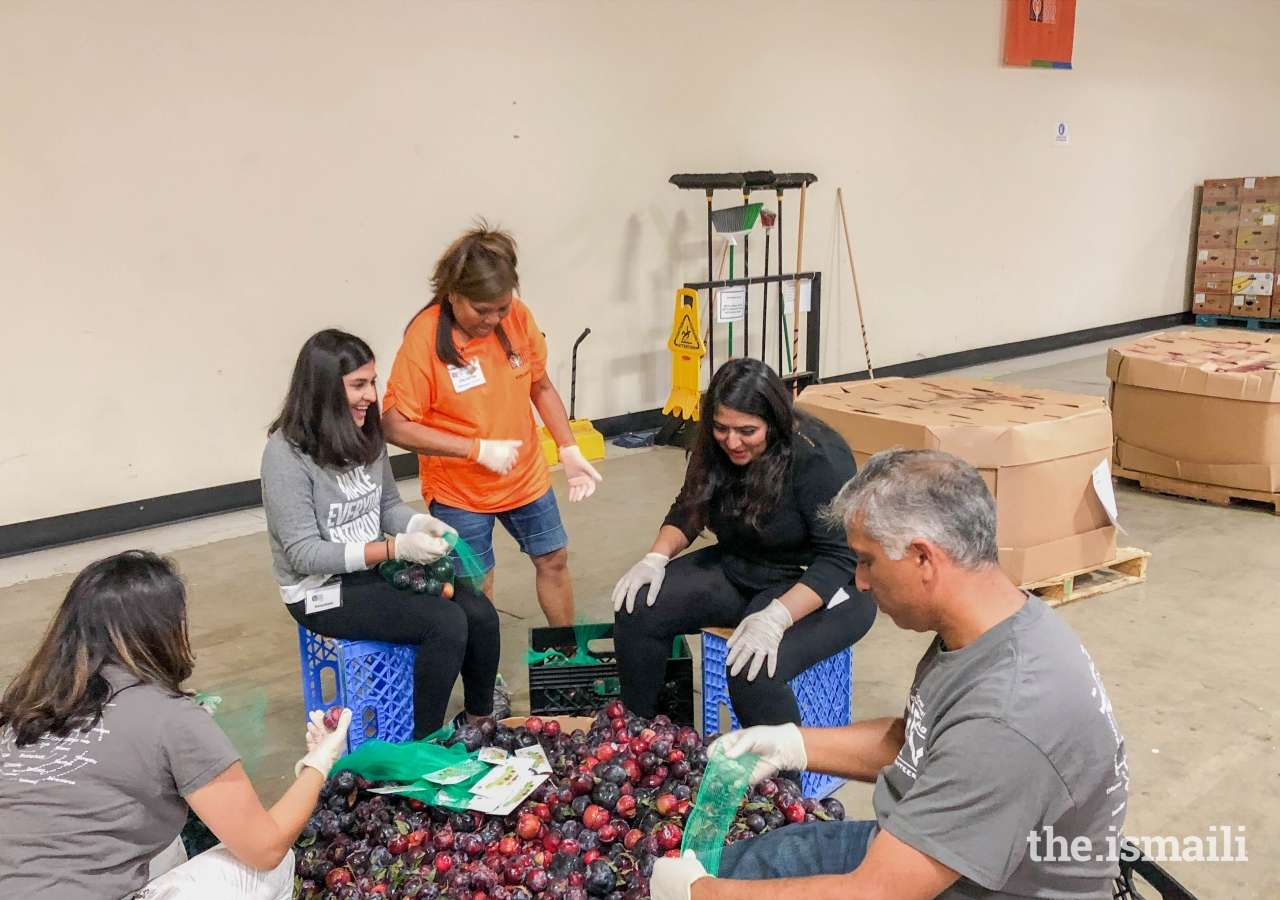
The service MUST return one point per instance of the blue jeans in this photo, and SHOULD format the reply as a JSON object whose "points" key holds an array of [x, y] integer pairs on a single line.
{"points": [[798, 851], [536, 527]]}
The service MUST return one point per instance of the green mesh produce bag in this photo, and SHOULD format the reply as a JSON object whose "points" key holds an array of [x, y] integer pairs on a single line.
{"points": [[724, 786], [468, 568], [241, 712]]}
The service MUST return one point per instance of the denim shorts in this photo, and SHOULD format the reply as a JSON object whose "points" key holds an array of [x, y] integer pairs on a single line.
{"points": [[536, 527]]}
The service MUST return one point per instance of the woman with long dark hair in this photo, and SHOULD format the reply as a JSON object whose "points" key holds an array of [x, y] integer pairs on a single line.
{"points": [[102, 754], [470, 372], [331, 500], [759, 474]]}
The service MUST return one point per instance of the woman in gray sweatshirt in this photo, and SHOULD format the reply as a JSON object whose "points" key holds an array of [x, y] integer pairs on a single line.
{"points": [[330, 500]]}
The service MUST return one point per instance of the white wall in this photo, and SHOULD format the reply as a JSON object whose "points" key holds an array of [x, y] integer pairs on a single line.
{"points": [[189, 189]]}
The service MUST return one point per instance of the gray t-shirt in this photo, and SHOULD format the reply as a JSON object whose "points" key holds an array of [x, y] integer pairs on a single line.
{"points": [[85, 814], [1010, 735], [318, 520]]}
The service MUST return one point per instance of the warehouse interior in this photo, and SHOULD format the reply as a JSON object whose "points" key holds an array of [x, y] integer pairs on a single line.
{"points": [[194, 188]]}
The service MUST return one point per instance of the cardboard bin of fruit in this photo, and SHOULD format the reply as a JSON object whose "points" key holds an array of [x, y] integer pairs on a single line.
{"points": [[618, 798]]}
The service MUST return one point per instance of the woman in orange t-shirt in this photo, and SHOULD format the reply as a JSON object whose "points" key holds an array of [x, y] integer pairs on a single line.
{"points": [[472, 368]]}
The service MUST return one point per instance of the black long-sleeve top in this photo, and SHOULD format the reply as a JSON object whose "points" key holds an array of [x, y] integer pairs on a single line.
{"points": [[793, 544]]}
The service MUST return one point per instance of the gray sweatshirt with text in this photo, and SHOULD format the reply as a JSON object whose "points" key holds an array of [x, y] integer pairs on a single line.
{"points": [[318, 520]]}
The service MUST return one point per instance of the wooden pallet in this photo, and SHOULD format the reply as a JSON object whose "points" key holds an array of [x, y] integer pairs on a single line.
{"points": [[1129, 567], [1193, 490], [1250, 323]]}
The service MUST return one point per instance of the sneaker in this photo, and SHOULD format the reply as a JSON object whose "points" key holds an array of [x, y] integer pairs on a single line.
{"points": [[501, 699]]}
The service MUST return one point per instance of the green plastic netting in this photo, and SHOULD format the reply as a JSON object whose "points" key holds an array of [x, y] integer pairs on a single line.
{"points": [[724, 785], [468, 568], [583, 634], [241, 712]]}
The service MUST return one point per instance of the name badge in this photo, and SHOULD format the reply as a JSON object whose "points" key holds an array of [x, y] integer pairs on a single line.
{"points": [[323, 598], [464, 379]]}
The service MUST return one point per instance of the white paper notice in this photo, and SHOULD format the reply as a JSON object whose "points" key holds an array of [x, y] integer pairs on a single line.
{"points": [[1060, 136], [1106, 493], [806, 295], [731, 303]]}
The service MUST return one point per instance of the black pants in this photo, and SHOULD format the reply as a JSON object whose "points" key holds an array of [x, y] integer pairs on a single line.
{"points": [[453, 636], [697, 594]]}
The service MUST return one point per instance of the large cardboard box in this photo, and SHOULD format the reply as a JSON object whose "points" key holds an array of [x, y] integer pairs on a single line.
{"points": [[1216, 238], [1255, 261], [1215, 261], [1222, 190], [1256, 237], [1254, 306], [1199, 406], [1253, 283], [1214, 282], [1036, 449], [1211, 303], [1260, 190]]}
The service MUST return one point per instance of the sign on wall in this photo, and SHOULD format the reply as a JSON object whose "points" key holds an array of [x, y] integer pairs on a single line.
{"points": [[1039, 33]]}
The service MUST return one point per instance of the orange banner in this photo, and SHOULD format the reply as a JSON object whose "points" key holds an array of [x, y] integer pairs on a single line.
{"points": [[1039, 33]]}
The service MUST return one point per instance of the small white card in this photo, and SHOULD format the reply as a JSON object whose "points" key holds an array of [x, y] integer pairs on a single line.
{"points": [[1203, 256], [322, 598], [731, 303], [465, 379], [537, 757], [492, 755], [1268, 219], [1250, 183], [1106, 492], [806, 294]]}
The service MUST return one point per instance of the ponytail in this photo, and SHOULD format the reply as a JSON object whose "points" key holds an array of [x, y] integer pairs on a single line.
{"points": [[481, 266]]}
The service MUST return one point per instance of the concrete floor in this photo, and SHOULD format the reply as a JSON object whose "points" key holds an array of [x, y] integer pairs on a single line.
{"points": [[1189, 657]]}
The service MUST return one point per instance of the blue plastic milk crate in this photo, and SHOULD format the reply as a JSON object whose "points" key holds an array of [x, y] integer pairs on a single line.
{"points": [[372, 679], [824, 692]]}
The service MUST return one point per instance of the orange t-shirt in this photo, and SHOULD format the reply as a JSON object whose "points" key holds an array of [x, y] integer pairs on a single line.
{"points": [[493, 404]]}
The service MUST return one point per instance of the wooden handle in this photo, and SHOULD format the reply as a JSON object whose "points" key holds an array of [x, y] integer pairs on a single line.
{"points": [[862, 323]]}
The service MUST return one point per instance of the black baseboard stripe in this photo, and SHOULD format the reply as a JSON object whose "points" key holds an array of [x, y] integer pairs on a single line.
{"points": [[917, 368], [122, 518]]}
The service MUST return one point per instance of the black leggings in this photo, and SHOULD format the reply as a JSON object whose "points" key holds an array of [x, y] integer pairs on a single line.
{"points": [[457, 635], [696, 594]]}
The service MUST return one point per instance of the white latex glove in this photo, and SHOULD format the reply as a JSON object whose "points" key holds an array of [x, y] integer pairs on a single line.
{"points": [[673, 877], [324, 747], [756, 640], [499, 456], [581, 474], [420, 548], [780, 748], [651, 571], [430, 525]]}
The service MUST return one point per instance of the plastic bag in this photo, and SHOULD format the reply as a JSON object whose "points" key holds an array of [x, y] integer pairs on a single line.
{"points": [[724, 786]]}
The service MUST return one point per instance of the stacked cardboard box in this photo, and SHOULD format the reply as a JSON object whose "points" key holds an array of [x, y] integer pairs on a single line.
{"points": [[1199, 406], [1037, 451], [1236, 260]]}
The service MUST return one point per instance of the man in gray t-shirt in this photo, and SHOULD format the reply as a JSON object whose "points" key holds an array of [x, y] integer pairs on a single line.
{"points": [[1006, 776]]}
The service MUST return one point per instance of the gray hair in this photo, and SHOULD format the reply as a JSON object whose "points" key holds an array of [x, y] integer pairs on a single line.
{"points": [[903, 495]]}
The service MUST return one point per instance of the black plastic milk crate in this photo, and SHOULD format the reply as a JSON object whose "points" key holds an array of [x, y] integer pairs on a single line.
{"points": [[582, 690]]}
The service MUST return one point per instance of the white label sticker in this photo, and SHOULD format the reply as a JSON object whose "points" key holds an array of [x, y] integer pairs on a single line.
{"points": [[1203, 256], [806, 295], [1199, 298], [1106, 493], [327, 597], [1249, 183], [1060, 136], [731, 303], [837, 598], [466, 378], [1268, 219], [1237, 300]]}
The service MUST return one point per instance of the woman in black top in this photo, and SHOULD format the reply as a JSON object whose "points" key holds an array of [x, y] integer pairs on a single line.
{"points": [[759, 475]]}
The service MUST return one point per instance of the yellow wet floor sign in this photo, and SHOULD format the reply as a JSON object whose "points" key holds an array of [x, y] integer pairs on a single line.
{"points": [[687, 351]]}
